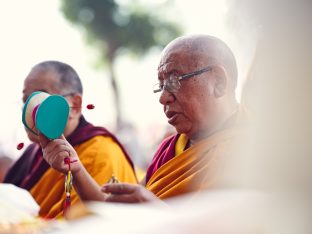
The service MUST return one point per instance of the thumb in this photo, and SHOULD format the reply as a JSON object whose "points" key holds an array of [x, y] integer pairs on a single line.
{"points": [[43, 140], [62, 137]]}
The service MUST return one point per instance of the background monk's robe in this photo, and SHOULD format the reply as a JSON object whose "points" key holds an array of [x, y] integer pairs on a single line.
{"points": [[175, 171], [98, 150]]}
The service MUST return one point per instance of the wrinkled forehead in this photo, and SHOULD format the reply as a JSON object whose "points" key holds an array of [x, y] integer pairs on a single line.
{"points": [[178, 60], [168, 67], [181, 59]]}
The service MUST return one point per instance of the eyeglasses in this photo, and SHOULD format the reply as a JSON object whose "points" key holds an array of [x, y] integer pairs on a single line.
{"points": [[63, 95], [172, 84], [68, 94]]}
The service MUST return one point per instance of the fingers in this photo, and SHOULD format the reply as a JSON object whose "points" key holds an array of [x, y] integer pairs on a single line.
{"points": [[56, 147], [61, 151], [53, 144], [62, 137], [121, 188], [123, 198], [45, 142], [58, 160], [127, 193], [55, 151]]}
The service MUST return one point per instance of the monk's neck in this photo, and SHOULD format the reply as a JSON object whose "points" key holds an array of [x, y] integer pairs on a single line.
{"points": [[223, 123]]}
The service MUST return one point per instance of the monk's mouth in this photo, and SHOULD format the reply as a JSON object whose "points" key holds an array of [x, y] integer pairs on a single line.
{"points": [[173, 118]]}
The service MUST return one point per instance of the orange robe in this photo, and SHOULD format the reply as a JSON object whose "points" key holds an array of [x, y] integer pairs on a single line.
{"points": [[193, 169], [102, 158], [100, 153]]}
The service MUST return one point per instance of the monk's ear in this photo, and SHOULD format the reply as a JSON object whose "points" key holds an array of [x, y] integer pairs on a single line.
{"points": [[220, 81]]}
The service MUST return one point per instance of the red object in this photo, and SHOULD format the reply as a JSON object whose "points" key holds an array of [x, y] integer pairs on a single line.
{"points": [[66, 160], [66, 204], [20, 146], [90, 106]]}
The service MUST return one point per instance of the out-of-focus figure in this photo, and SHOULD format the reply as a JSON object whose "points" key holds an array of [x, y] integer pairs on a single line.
{"points": [[95, 147], [277, 158], [5, 163], [128, 136]]}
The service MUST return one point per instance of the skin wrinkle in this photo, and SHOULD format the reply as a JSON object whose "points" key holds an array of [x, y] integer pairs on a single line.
{"points": [[196, 102], [197, 47]]}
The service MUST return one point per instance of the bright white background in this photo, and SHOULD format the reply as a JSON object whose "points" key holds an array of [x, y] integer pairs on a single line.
{"points": [[34, 30]]}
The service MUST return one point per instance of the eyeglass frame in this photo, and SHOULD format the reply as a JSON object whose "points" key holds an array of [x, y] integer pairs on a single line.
{"points": [[185, 76], [63, 95], [68, 94]]}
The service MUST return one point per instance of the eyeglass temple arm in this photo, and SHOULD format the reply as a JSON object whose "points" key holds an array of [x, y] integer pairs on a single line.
{"points": [[195, 73], [157, 90]]}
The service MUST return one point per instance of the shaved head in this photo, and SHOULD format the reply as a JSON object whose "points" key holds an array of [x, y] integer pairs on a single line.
{"points": [[203, 50], [199, 104], [67, 77], [59, 78]]}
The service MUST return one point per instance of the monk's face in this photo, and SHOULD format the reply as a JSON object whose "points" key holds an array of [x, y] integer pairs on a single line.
{"points": [[191, 108], [38, 81], [48, 82]]}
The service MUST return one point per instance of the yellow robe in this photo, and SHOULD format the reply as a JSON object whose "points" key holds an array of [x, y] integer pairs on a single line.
{"points": [[194, 169], [101, 156]]}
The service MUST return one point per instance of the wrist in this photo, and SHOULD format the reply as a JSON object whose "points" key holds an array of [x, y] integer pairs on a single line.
{"points": [[76, 168]]}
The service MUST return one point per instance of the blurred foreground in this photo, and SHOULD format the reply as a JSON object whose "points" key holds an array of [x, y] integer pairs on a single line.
{"points": [[267, 186]]}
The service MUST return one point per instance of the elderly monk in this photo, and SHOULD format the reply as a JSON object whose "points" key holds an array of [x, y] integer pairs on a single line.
{"points": [[97, 149], [197, 80]]}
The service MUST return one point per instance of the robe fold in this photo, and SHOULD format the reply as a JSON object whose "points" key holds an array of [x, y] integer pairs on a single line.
{"points": [[98, 150], [177, 170]]}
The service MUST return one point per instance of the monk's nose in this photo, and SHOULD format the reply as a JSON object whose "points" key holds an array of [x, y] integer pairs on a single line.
{"points": [[166, 97]]}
